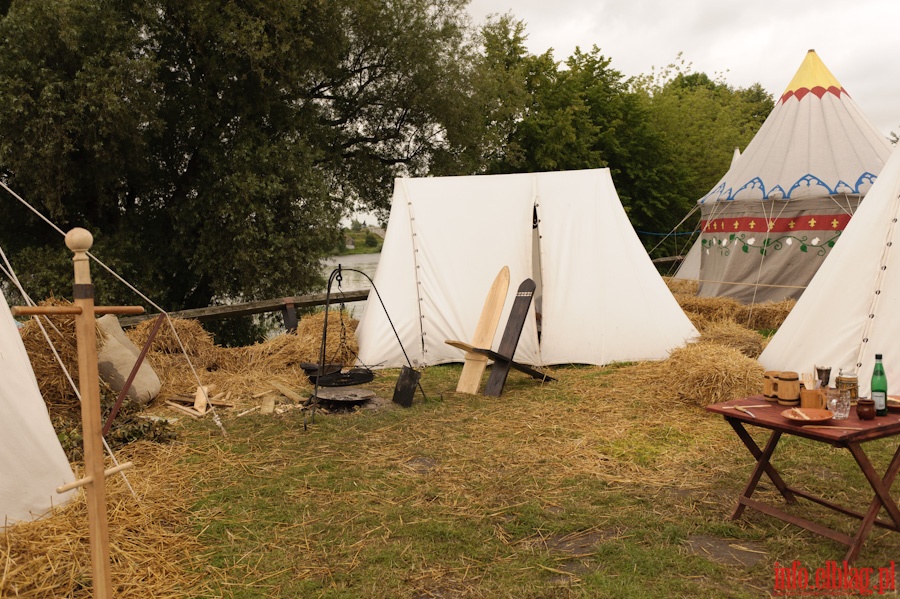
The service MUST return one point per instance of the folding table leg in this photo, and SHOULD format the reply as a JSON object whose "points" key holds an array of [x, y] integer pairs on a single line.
{"points": [[773, 475], [882, 488], [762, 465]]}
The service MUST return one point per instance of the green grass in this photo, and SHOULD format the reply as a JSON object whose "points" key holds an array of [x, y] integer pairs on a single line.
{"points": [[566, 490]]}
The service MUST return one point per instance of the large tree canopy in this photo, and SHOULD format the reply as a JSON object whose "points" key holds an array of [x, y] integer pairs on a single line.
{"points": [[212, 146]]}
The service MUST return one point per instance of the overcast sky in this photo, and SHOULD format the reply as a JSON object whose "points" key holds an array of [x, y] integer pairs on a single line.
{"points": [[746, 42]]}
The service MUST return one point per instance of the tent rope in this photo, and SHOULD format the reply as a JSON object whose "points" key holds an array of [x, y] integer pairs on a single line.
{"points": [[412, 234], [212, 409], [8, 271]]}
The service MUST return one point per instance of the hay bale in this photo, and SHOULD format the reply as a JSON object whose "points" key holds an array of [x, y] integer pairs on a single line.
{"points": [[242, 372], [51, 378], [705, 373], [340, 343], [197, 342], [711, 308], [766, 315], [731, 334], [686, 287]]}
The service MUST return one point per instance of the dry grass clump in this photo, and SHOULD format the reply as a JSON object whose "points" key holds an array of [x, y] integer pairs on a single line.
{"points": [[766, 315], [243, 373], [705, 373], [52, 381], [305, 345], [341, 346], [682, 286], [705, 310], [731, 334], [198, 343], [711, 308], [153, 553]]}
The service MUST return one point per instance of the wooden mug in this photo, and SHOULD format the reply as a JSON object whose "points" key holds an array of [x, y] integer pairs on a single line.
{"points": [[812, 398], [770, 385], [788, 387]]}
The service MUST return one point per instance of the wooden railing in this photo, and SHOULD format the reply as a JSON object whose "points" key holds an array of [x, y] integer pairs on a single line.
{"points": [[287, 305]]}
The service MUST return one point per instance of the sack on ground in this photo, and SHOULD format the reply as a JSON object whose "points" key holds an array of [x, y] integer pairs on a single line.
{"points": [[116, 359]]}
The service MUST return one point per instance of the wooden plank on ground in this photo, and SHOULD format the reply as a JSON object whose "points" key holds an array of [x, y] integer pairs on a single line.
{"points": [[184, 410], [284, 390]]}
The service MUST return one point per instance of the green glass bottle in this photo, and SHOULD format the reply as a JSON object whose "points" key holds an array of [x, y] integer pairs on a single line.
{"points": [[879, 387]]}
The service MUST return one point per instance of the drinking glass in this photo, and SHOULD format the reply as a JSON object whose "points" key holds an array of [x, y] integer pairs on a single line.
{"points": [[839, 403]]}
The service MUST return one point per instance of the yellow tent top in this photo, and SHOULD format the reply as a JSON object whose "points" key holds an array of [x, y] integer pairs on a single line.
{"points": [[812, 76]]}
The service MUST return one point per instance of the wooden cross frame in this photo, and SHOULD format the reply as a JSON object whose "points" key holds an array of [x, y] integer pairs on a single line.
{"points": [[80, 241], [503, 357]]}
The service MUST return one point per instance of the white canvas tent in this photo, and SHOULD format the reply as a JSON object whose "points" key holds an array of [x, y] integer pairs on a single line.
{"points": [[851, 309], [600, 297], [32, 462]]}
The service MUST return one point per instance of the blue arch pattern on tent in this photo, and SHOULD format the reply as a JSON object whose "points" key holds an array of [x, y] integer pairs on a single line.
{"points": [[805, 182]]}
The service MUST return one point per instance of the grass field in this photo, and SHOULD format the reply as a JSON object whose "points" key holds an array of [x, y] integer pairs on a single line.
{"points": [[610, 482], [579, 488]]}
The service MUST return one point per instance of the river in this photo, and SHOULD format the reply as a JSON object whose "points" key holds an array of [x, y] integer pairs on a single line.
{"points": [[351, 280]]}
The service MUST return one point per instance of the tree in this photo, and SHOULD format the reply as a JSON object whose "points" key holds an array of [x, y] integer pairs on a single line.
{"points": [[213, 146], [582, 116], [703, 121]]}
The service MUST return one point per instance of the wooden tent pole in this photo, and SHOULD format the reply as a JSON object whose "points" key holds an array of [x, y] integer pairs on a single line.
{"points": [[80, 241]]}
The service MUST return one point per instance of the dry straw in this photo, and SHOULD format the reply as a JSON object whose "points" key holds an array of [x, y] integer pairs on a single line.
{"points": [[704, 310], [705, 373], [243, 373], [51, 378], [766, 315], [153, 551], [682, 286], [731, 334], [197, 343]]}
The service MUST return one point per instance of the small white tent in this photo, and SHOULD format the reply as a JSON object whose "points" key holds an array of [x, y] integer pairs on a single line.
{"points": [[599, 295], [849, 311], [32, 462]]}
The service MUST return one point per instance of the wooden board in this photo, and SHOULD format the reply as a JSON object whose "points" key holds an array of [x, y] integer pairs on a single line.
{"points": [[510, 339], [495, 356], [287, 392], [475, 363]]}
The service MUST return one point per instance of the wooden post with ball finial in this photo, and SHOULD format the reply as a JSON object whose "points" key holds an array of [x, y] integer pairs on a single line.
{"points": [[80, 241]]}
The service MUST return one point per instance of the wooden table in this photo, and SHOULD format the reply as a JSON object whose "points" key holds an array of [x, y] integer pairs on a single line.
{"points": [[850, 438]]}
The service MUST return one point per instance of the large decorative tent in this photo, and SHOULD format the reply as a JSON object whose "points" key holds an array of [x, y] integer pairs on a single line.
{"points": [[770, 222], [599, 295], [849, 311]]}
